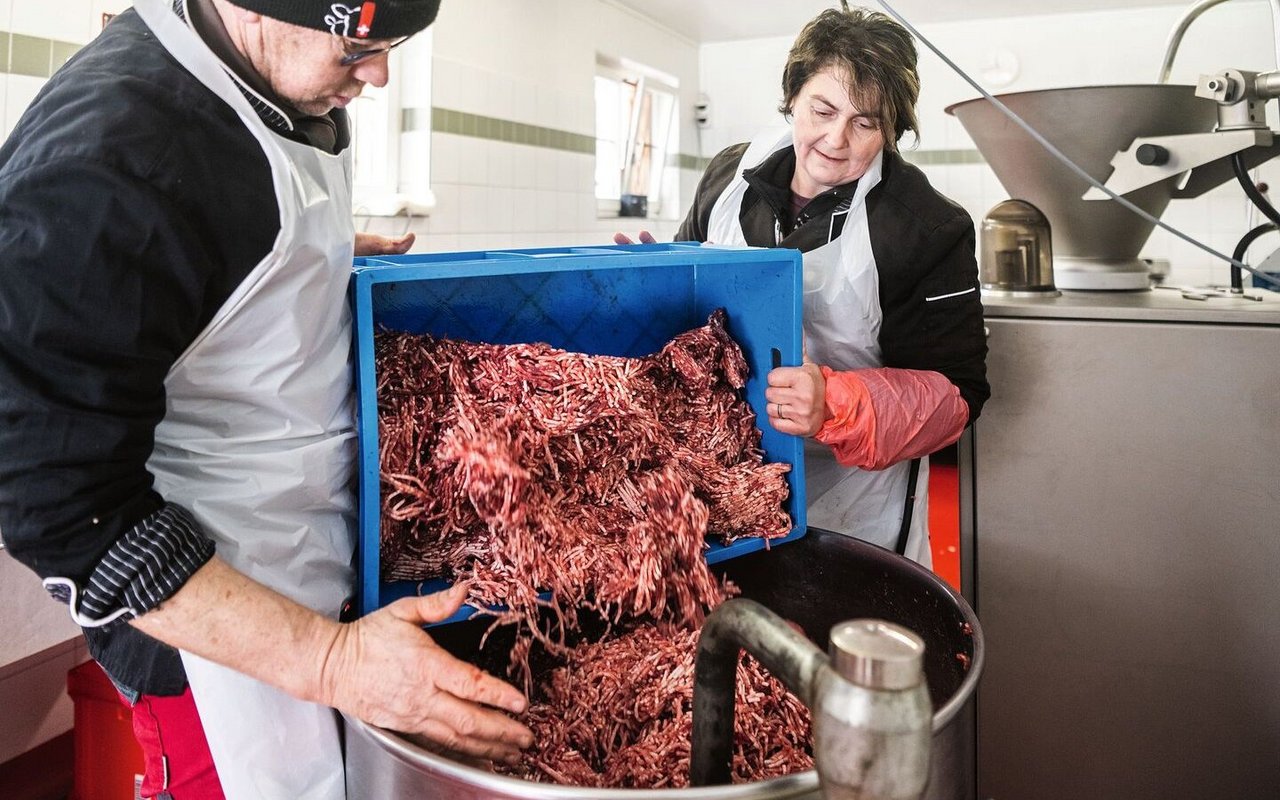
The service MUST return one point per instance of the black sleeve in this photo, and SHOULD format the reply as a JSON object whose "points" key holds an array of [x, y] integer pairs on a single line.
{"points": [[936, 321], [100, 290], [717, 176]]}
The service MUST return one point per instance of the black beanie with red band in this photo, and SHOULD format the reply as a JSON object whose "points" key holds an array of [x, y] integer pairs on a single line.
{"points": [[372, 19]]}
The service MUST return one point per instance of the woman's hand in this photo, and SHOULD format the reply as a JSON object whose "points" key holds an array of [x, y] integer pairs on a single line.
{"points": [[797, 399], [645, 238], [384, 669], [371, 244]]}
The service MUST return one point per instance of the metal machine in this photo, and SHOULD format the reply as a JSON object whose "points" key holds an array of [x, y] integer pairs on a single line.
{"points": [[816, 583], [1151, 143], [1120, 509], [1124, 540], [1095, 244], [871, 714]]}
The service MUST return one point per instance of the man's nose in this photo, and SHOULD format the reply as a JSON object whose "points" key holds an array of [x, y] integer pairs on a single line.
{"points": [[373, 71]]}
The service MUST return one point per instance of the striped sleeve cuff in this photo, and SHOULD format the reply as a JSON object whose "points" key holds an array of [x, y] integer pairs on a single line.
{"points": [[140, 571]]}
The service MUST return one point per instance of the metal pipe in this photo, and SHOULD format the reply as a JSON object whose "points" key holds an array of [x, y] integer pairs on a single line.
{"points": [[1190, 15], [1267, 85], [742, 624]]}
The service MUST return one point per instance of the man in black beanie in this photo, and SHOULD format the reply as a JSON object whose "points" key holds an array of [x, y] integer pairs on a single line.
{"points": [[177, 445]]}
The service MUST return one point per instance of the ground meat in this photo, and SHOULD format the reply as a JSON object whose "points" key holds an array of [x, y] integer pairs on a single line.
{"points": [[620, 714], [527, 469]]}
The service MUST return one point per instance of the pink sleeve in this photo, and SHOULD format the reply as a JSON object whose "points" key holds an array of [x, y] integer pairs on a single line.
{"points": [[883, 416]]}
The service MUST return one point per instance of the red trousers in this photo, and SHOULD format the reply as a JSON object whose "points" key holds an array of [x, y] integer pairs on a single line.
{"points": [[175, 754]]}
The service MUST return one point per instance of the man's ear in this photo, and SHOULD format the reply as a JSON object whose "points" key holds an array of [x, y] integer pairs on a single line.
{"points": [[233, 14], [242, 25]]}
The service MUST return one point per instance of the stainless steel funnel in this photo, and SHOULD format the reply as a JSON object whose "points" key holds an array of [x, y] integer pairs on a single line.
{"points": [[1095, 242]]}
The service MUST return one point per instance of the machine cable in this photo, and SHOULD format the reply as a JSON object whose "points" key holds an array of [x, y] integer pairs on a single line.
{"points": [[909, 507], [1259, 199], [1237, 282], [1251, 189]]}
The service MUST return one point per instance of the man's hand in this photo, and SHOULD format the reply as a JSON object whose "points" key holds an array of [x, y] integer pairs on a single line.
{"points": [[797, 399], [381, 668], [385, 670], [371, 244], [645, 238]]}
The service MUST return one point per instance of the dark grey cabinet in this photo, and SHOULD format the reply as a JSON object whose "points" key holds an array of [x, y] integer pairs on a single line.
{"points": [[1124, 549]]}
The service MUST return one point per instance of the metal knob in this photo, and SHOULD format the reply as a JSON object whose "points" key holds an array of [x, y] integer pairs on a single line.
{"points": [[877, 654], [1152, 155]]}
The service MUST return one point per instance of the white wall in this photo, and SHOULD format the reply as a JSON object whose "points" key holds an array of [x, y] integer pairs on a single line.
{"points": [[742, 80], [75, 21], [534, 63]]}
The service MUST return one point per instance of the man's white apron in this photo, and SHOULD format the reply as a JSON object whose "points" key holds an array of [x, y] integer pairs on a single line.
{"points": [[841, 330], [258, 441]]}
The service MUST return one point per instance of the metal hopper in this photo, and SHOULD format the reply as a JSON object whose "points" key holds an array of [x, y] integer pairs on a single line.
{"points": [[1095, 242]]}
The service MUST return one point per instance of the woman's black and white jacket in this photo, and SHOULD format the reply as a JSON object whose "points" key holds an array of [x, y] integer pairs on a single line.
{"points": [[924, 251]]}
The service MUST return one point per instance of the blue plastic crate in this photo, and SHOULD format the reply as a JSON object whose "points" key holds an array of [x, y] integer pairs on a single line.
{"points": [[626, 300]]}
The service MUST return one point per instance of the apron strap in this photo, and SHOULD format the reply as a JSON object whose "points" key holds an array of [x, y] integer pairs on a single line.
{"points": [[913, 477]]}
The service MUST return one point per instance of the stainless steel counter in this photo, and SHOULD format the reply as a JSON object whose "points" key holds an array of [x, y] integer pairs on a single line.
{"points": [[1125, 530], [1157, 305]]}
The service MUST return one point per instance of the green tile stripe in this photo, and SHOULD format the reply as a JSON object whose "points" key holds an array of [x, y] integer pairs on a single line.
{"points": [[460, 123], [29, 55], [62, 53], [929, 157], [33, 56], [446, 120], [686, 161]]}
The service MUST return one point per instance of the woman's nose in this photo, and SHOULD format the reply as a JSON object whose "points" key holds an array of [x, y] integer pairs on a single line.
{"points": [[838, 134]]}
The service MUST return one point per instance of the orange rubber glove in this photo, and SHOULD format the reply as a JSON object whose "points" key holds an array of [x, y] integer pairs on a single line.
{"points": [[882, 416]]}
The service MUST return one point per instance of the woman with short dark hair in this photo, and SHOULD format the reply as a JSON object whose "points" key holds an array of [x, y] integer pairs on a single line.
{"points": [[895, 349]]}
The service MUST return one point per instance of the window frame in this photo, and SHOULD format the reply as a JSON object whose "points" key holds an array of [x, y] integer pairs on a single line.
{"points": [[655, 82], [395, 184]]}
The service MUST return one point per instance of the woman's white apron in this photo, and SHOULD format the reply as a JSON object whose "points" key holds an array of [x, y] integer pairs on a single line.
{"points": [[841, 330]]}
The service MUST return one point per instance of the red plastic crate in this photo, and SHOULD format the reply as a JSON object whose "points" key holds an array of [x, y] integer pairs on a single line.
{"points": [[108, 761]]}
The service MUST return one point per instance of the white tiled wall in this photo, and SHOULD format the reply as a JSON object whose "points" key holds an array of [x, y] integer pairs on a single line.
{"points": [[531, 63], [75, 21], [534, 63], [742, 80], [65, 20], [497, 194]]}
